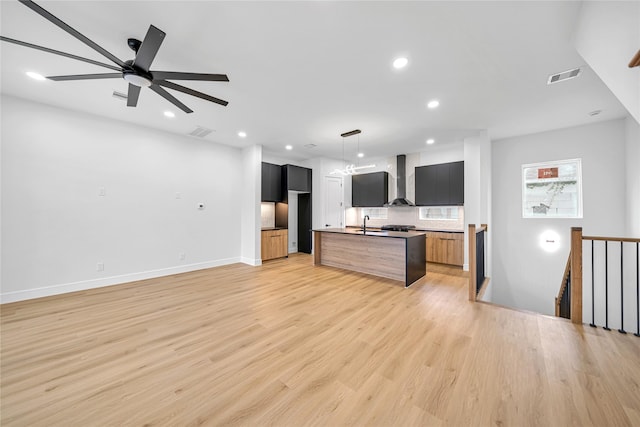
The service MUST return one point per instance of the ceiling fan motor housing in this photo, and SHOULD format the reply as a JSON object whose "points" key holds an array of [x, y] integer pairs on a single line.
{"points": [[136, 76]]}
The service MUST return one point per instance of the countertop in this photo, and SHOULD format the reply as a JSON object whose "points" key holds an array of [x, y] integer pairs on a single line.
{"points": [[373, 232], [273, 228], [433, 230]]}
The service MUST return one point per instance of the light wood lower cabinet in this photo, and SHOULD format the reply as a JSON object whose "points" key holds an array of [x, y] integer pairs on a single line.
{"points": [[275, 244], [445, 248]]}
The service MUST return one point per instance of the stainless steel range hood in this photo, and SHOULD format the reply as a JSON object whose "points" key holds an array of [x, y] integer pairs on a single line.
{"points": [[401, 183]]}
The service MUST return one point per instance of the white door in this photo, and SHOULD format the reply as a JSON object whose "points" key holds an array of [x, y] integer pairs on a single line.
{"points": [[333, 209]]}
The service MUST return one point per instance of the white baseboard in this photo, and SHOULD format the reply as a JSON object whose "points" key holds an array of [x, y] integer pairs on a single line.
{"points": [[465, 267], [64, 288], [251, 261]]}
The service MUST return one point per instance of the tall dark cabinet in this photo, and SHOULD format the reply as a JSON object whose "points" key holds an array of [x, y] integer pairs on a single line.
{"points": [[440, 185], [298, 179], [304, 223]]}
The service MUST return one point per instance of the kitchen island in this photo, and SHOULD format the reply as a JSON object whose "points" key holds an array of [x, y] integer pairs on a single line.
{"points": [[395, 255]]}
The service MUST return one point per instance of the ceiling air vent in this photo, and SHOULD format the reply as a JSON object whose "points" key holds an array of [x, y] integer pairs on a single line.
{"points": [[565, 75], [200, 132], [310, 145], [119, 95]]}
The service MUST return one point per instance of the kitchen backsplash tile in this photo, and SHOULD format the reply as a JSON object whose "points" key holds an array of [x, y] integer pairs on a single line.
{"points": [[268, 215], [406, 216]]}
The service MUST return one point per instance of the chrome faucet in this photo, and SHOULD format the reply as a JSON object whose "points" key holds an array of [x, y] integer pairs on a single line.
{"points": [[364, 227]]}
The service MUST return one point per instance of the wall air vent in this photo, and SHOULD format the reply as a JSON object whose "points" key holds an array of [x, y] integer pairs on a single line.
{"points": [[565, 75], [200, 132], [119, 95]]}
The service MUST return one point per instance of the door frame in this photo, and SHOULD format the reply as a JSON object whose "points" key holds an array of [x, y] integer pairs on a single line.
{"points": [[326, 195]]}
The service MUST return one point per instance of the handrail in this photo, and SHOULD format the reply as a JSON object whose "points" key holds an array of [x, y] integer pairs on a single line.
{"points": [[476, 291], [483, 227], [576, 275], [563, 285], [576, 297], [612, 239]]}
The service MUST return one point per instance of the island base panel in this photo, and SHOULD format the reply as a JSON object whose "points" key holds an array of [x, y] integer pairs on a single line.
{"points": [[416, 253], [365, 254]]}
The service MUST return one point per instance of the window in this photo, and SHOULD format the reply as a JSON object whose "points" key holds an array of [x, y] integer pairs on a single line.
{"points": [[439, 212], [552, 189], [374, 213]]}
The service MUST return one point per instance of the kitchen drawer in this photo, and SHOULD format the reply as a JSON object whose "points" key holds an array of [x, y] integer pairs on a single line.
{"points": [[275, 244]]}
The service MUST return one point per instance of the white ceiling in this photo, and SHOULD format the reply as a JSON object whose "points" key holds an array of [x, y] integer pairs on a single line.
{"points": [[305, 72]]}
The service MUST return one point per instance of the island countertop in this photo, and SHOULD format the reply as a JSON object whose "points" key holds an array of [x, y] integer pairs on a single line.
{"points": [[373, 232], [397, 255]]}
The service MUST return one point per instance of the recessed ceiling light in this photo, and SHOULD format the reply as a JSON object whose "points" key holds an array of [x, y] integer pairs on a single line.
{"points": [[35, 76], [169, 114], [360, 155], [433, 104], [289, 147], [430, 141], [400, 63], [242, 134]]}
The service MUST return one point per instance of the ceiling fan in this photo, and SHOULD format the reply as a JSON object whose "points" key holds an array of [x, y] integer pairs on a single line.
{"points": [[136, 72]]}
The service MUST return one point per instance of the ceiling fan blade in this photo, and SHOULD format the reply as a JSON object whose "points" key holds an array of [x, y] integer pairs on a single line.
{"points": [[172, 99], [191, 92], [57, 52], [172, 75], [86, 77], [149, 48], [48, 16], [132, 95]]}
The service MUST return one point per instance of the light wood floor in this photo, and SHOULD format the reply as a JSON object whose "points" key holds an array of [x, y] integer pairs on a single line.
{"points": [[290, 344]]}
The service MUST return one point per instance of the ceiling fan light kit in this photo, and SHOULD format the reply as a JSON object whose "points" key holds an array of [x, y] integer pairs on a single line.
{"points": [[136, 79], [135, 72]]}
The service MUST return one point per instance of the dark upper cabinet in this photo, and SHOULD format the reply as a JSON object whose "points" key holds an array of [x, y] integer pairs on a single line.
{"points": [[440, 185], [271, 183], [296, 178], [456, 183], [370, 189]]}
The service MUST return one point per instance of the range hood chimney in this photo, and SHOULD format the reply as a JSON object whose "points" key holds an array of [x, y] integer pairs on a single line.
{"points": [[401, 182]]}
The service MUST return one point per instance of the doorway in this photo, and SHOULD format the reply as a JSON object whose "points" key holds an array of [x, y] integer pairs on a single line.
{"points": [[333, 206]]}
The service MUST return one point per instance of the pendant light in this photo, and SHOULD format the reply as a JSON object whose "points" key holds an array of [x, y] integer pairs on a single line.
{"points": [[351, 169]]}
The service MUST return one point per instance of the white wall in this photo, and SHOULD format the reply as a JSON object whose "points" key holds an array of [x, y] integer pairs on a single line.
{"points": [[607, 36], [524, 276], [632, 136], [251, 196], [56, 227]]}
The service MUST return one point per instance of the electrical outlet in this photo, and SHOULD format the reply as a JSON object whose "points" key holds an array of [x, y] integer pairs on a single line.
{"points": [[178, 195], [182, 256], [201, 206], [293, 243], [100, 266]]}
